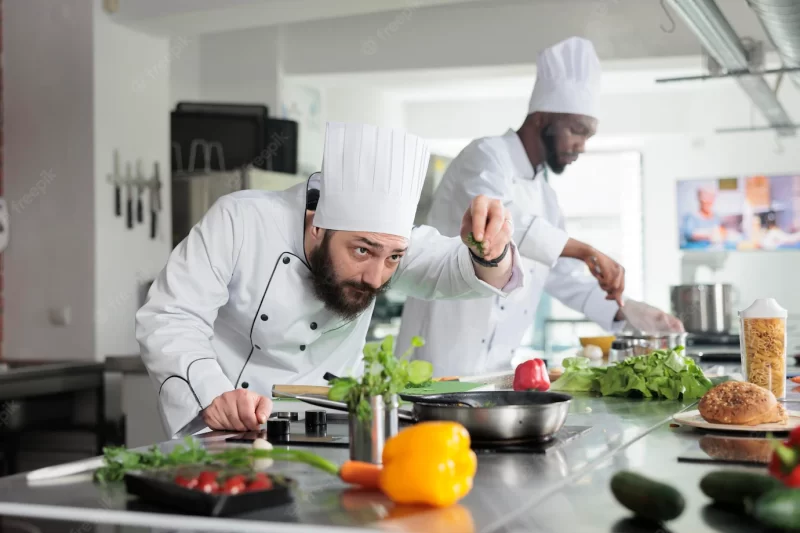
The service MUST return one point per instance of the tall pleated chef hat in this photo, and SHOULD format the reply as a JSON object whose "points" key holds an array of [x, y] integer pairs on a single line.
{"points": [[371, 179], [567, 79]]}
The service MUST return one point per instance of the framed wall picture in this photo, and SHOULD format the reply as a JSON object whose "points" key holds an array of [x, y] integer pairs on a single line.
{"points": [[745, 213]]}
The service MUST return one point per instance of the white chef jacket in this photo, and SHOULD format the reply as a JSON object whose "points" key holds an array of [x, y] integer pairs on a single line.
{"points": [[472, 337], [234, 306]]}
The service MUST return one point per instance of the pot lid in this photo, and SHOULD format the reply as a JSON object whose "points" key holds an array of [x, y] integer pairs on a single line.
{"points": [[764, 308]]}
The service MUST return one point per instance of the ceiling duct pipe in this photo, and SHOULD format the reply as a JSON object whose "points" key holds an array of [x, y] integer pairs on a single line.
{"points": [[781, 21], [719, 39]]}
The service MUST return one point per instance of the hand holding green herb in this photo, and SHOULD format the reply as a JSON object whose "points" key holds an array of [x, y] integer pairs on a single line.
{"points": [[384, 375], [475, 244]]}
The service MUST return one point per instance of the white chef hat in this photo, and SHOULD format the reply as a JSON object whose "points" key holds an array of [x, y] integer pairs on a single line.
{"points": [[567, 79], [371, 179]]}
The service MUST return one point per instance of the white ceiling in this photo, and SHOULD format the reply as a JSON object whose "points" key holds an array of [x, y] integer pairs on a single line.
{"points": [[516, 81], [194, 17]]}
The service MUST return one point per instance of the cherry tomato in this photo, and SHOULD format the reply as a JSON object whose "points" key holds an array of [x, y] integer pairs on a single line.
{"points": [[206, 476], [234, 485], [188, 482], [259, 484], [794, 438], [209, 487]]}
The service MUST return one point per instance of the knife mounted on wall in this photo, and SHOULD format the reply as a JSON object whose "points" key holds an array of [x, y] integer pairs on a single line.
{"points": [[155, 201], [129, 190]]}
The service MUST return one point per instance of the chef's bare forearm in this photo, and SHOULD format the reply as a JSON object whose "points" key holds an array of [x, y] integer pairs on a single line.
{"points": [[577, 250], [499, 276]]}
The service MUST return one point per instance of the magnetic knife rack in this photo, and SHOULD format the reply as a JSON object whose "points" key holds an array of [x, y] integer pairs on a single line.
{"points": [[138, 182]]}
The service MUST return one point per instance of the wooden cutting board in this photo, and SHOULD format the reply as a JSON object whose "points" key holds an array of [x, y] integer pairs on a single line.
{"points": [[310, 390]]}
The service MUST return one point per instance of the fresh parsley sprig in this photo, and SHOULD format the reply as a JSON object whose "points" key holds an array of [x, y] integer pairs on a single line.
{"points": [[384, 375]]}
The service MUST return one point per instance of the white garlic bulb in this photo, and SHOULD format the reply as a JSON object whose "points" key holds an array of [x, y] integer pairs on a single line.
{"points": [[264, 462], [592, 352]]}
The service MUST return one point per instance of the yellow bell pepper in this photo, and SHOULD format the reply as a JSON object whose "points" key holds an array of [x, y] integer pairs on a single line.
{"points": [[428, 463]]}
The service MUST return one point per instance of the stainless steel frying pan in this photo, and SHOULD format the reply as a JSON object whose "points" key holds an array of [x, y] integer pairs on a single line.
{"points": [[487, 415]]}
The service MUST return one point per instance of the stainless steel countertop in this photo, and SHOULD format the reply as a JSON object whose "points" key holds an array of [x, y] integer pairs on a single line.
{"points": [[563, 490]]}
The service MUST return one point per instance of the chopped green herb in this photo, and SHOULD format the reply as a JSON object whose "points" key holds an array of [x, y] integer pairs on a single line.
{"points": [[475, 244]]}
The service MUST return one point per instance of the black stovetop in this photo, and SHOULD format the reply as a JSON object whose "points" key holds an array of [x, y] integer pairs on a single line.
{"points": [[713, 339], [335, 433]]}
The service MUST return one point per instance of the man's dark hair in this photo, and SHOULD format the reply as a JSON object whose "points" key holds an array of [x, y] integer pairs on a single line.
{"points": [[312, 199]]}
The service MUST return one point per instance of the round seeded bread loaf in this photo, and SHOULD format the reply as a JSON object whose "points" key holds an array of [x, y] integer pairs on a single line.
{"points": [[740, 403]]}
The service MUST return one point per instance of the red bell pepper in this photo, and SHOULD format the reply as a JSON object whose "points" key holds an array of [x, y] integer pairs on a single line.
{"points": [[531, 375], [785, 463]]}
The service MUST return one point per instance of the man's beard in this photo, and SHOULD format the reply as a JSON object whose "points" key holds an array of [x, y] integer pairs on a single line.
{"points": [[334, 293], [551, 153]]}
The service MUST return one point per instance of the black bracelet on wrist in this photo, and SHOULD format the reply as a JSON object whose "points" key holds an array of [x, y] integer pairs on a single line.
{"points": [[493, 263]]}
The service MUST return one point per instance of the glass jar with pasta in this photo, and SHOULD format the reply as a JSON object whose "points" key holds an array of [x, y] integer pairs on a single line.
{"points": [[763, 342]]}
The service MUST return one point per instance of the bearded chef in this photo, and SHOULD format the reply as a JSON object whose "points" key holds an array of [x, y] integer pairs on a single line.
{"points": [[471, 337], [279, 287]]}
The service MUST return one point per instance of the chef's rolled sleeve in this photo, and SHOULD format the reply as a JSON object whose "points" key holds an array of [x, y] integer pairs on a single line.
{"points": [[207, 380], [601, 311], [543, 242], [569, 283]]}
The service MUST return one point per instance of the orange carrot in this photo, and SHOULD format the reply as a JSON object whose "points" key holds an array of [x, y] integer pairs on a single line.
{"points": [[361, 473], [796, 379]]}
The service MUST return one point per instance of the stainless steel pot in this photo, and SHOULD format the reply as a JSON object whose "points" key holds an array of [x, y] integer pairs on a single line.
{"points": [[704, 308], [644, 344]]}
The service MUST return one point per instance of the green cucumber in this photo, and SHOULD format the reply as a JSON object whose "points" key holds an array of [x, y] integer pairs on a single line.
{"points": [[647, 498], [735, 488], [779, 508]]}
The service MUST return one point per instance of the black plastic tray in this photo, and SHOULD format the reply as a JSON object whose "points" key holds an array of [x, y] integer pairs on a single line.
{"points": [[158, 488]]}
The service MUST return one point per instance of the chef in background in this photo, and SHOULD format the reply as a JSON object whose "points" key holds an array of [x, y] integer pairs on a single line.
{"points": [[704, 226], [773, 236], [472, 337], [279, 287]]}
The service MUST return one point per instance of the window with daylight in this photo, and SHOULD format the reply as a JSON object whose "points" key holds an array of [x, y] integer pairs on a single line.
{"points": [[601, 198]]}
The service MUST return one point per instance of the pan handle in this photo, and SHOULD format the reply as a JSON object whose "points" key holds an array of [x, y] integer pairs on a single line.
{"points": [[408, 416]]}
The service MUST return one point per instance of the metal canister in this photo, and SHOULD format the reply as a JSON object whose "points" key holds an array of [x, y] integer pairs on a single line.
{"points": [[392, 425], [367, 437], [620, 350]]}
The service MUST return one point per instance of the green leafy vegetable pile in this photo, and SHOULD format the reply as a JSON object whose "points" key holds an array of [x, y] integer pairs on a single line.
{"points": [[666, 374], [118, 459], [384, 375]]}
